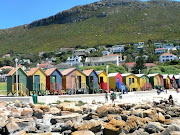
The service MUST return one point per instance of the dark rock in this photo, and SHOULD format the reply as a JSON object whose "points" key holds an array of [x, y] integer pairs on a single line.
{"points": [[171, 128], [124, 117], [167, 116], [153, 127]]}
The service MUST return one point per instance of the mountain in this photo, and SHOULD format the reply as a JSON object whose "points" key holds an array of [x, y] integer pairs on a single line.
{"points": [[99, 23]]}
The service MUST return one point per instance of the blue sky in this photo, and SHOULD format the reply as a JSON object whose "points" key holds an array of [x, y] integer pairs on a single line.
{"points": [[19, 12]]}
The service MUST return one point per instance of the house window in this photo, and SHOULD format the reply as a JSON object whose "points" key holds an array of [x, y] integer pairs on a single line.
{"points": [[132, 80]]}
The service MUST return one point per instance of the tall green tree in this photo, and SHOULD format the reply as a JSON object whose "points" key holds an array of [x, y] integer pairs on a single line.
{"points": [[139, 63]]}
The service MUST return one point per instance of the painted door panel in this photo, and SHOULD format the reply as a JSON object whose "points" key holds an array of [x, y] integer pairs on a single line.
{"points": [[129, 81], [37, 82]]}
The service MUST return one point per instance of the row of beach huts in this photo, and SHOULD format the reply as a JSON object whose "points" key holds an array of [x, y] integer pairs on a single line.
{"points": [[74, 81]]}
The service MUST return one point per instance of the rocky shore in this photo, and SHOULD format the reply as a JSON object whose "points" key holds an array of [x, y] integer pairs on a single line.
{"points": [[78, 118]]}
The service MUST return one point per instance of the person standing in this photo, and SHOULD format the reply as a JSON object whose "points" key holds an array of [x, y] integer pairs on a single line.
{"points": [[106, 97]]}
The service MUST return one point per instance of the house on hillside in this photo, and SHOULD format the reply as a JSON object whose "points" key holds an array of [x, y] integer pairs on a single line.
{"points": [[44, 65], [63, 66], [177, 47], [80, 52], [159, 50], [158, 45], [104, 53], [168, 46], [74, 61], [165, 57], [150, 65], [97, 61], [6, 55], [24, 61], [144, 56], [89, 50], [117, 49]]}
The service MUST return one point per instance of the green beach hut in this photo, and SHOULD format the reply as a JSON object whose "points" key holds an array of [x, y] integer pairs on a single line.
{"points": [[22, 82]]}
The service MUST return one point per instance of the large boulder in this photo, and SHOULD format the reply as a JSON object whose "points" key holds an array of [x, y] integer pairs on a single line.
{"points": [[82, 133], [170, 129], [12, 127], [118, 123], [27, 124], [138, 112], [161, 118], [16, 113], [92, 125], [71, 107], [153, 127], [131, 124], [110, 130], [27, 112], [3, 119], [38, 113], [65, 118], [3, 104], [55, 111], [151, 114], [102, 111]]}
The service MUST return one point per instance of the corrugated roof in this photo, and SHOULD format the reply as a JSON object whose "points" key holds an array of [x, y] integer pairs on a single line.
{"points": [[177, 76], [14, 70], [125, 74], [139, 75], [67, 71], [150, 75], [112, 74], [88, 72], [50, 71], [159, 49]]}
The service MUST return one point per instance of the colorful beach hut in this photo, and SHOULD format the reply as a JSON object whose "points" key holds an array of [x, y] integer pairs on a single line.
{"points": [[102, 78], [167, 81], [115, 80], [156, 80], [54, 81], [131, 81], [173, 81], [37, 81], [177, 78], [143, 81], [91, 79], [74, 79], [22, 82]]}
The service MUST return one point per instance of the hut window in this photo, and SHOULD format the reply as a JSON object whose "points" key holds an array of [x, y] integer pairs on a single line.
{"points": [[132, 80]]}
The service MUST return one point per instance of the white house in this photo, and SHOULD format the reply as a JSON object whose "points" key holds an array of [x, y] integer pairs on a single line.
{"points": [[89, 50], [104, 53], [97, 61], [178, 47], [117, 49], [144, 56], [80, 52], [74, 61], [165, 57], [168, 46], [158, 45], [159, 50]]}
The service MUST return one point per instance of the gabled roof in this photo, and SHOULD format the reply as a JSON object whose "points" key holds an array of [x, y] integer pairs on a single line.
{"points": [[88, 72], [112, 74], [139, 75], [99, 72], [123, 75], [176, 76], [150, 65], [171, 76], [14, 70], [34, 70], [51, 70], [67, 71], [151, 75], [165, 76], [168, 54]]}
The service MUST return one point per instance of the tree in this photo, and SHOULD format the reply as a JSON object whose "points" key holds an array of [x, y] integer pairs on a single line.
{"points": [[8, 61], [139, 63], [5, 71]]}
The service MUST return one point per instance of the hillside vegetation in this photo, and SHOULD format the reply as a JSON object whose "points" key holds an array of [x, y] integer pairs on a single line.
{"points": [[99, 23]]}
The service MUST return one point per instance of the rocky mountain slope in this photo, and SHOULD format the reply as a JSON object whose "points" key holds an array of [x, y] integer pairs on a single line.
{"points": [[99, 23]]}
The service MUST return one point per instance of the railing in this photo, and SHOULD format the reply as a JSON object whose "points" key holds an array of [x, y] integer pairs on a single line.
{"points": [[147, 86], [40, 88], [22, 90], [56, 87], [80, 88]]}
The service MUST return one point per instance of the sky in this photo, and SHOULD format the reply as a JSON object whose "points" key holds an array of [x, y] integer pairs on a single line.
{"points": [[19, 12]]}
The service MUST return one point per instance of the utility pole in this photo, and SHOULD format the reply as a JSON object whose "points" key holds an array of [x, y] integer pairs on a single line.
{"points": [[107, 78], [16, 60], [139, 71]]}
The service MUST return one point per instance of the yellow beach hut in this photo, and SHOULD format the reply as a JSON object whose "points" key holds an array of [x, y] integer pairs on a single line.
{"points": [[102, 78], [167, 81], [37, 81], [131, 81], [143, 81], [156, 80]]}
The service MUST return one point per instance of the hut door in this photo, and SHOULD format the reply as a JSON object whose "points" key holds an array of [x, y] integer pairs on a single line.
{"points": [[37, 82], [101, 79], [15, 79], [53, 81], [117, 83], [73, 82], [79, 81], [129, 81], [91, 79]]}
